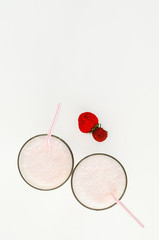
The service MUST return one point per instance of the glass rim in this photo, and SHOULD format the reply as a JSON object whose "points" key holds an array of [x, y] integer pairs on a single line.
{"points": [[126, 181], [18, 163]]}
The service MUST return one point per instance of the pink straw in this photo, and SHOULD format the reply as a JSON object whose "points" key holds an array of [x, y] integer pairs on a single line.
{"points": [[121, 204], [48, 136]]}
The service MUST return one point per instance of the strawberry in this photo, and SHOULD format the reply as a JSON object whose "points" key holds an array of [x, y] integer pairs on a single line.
{"points": [[99, 134], [87, 121]]}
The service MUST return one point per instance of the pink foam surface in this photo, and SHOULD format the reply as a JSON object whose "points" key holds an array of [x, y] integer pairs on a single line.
{"points": [[95, 178], [44, 167]]}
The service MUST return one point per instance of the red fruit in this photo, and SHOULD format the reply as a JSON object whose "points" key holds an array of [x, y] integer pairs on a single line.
{"points": [[99, 134], [87, 121]]}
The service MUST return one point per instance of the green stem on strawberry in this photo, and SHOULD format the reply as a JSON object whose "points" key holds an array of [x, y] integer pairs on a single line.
{"points": [[97, 125]]}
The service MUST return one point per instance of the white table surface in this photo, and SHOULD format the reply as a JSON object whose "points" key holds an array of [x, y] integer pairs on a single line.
{"points": [[98, 56]]}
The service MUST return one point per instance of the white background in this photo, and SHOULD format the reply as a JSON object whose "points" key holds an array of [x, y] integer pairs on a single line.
{"points": [[98, 56]]}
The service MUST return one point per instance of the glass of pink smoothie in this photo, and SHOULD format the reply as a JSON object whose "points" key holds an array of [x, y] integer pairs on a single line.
{"points": [[43, 167], [94, 180]]}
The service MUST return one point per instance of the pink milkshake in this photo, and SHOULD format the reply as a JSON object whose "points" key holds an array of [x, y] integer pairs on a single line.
{"points": [[43, 167], [96, 178]]}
